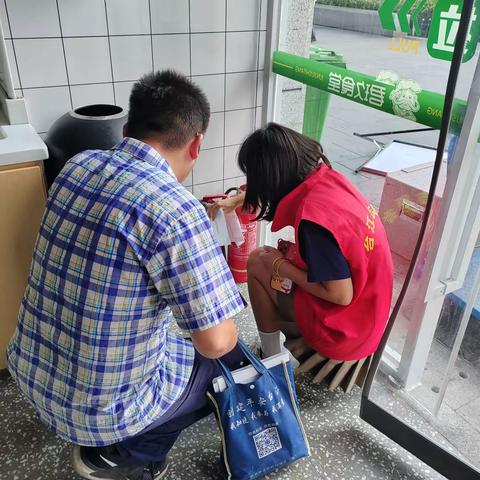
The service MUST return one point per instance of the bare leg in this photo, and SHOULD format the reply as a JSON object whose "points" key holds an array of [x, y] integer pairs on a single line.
{"points": [[262, 297]]}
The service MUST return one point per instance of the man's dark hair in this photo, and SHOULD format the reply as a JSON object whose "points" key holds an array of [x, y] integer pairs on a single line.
{"points": [[276, 160], [167, 106]]}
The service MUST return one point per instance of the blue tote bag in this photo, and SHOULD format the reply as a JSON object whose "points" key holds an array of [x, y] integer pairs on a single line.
{"points": [[259, 422]]}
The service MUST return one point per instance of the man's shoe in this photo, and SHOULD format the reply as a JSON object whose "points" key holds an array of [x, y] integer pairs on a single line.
{"points": [[95, 464]]}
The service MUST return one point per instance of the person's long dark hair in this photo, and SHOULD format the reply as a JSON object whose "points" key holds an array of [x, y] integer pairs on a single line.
{"points": [[276, 160]]}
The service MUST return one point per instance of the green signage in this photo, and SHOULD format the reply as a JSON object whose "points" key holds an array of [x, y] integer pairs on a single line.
{"points": [[385, 12], [444, 28], [403, 98], [386, 15]]}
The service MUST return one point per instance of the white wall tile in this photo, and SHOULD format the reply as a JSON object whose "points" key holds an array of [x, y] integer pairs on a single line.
{"points": [[234, 182], [172, 51], [242, 51], [127, 17], [122, 93], [261, 51], [260, 88], [13, 63], [243, 15], [208, 53], [82, 18], [207, 15], [18, 93], [131, 57], [240, 90], [212, 188], [91, 94], [45, 105], [30, 18], [238, 124], [231, 164], [41, 62], [209, 166], [214, 88], [258, 122], [4, 20], [214, 136], [169, 16], [263, 14], [130, 23], [88, 60]]}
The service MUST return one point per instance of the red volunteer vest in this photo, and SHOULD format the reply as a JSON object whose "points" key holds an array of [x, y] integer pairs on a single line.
{"points": [[350, 332]]}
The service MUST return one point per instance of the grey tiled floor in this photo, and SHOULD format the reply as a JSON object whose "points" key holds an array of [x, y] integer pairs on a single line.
{"points": [[343, 446]]}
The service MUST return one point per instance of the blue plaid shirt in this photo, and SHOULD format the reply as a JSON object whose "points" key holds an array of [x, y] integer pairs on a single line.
{"points": [[123, 249]]}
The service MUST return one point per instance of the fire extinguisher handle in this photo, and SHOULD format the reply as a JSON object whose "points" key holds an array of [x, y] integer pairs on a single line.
{"points": [[233, 189]]}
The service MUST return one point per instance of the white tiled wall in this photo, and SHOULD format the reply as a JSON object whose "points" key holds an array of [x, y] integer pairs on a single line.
{"points": [[69, 53]]}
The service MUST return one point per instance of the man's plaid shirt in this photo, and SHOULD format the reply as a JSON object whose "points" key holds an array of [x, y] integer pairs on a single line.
{"points": [[123, 250]]}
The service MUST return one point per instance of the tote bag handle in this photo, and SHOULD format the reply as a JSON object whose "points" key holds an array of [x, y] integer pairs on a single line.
{"points": [[254, 360]]}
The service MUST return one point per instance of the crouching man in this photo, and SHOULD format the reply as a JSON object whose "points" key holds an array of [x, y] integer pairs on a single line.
{"points": [[123, 250]]}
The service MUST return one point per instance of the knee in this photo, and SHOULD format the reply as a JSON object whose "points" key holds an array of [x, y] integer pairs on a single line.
{"points": [[254, 262]]}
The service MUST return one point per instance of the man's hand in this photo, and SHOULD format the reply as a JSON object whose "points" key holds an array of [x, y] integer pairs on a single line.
{"points": [[215, 342]]}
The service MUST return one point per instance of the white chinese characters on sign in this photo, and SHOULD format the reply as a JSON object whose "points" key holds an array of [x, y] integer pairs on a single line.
{"points": [[362, 91], [369, 93], [334, 82], [348, 86], [448, 29], [377, 95]]}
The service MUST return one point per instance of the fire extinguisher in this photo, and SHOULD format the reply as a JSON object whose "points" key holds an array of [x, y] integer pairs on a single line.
{"points": [[238, 255]]}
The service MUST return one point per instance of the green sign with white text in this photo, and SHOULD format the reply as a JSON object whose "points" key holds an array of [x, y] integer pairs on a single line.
{"points": [[444, 28], [403, 98]]}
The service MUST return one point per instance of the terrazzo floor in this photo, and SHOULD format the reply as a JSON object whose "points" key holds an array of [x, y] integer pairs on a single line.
{"points": [[343, 446]]}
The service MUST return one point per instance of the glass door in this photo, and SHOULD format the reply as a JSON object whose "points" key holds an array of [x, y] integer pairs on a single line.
{"points": [[423, 389], [367, 95]]}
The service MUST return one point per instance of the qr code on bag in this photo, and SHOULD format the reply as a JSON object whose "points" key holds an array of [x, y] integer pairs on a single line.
{"points": [[267, 442]]}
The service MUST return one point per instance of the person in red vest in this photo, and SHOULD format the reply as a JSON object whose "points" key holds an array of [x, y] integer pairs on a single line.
{"points": [[336, 280]]}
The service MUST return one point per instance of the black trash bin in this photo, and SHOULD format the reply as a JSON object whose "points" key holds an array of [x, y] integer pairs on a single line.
{"points": [[90, 127]]}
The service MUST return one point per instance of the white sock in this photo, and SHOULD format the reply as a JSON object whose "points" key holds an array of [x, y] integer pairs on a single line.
{"points": [[272, 343]]}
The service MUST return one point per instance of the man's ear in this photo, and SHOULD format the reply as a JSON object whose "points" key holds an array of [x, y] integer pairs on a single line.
{"points": [[195, 146]]}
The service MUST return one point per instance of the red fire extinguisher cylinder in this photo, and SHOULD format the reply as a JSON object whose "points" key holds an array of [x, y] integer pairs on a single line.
{"points": [[238, 255]]}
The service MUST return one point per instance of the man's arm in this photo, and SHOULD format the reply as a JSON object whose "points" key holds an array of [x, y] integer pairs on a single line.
{"points": [[190, 273], [215, 342]]}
